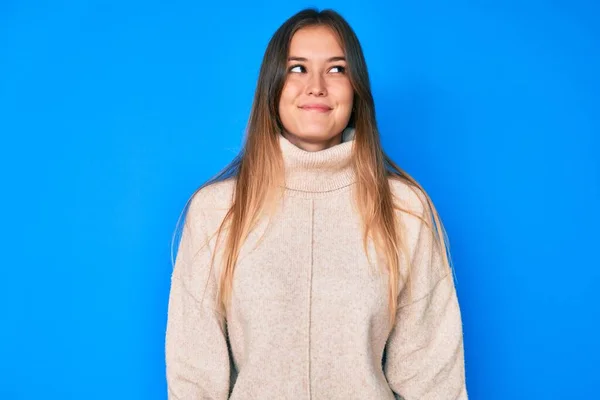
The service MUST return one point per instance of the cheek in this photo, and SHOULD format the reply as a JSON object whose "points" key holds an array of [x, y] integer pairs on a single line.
{"points": [[349, 94], [289, 92], [287, 102], [344, 94]]}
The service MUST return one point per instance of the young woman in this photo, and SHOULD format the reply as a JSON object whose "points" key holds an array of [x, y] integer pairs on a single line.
{"points": [[313, 267]]}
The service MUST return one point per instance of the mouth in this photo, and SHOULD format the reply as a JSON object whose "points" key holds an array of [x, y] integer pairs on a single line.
{"points": [[316, 107]]}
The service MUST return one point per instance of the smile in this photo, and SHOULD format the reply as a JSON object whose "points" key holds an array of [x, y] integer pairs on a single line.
{"points": [[321, 109]]}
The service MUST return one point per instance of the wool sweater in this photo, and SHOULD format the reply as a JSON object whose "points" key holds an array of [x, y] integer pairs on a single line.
{"points": [[308, 317]]}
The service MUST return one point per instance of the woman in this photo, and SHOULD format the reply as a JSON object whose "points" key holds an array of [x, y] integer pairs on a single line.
{"points": [[313, 267]]}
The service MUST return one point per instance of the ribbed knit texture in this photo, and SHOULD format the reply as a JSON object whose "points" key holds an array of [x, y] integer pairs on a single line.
{"points": [[309, 311], [319, 171]]}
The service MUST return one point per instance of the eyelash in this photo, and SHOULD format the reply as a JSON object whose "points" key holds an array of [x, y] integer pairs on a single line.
{"points": [[341, 68]]}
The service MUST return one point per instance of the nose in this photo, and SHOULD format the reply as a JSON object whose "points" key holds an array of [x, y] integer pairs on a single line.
{"points": [[316, 85]]}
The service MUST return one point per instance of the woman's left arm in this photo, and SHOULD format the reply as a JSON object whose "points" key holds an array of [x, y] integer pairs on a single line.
{"points": [[424, 355]]}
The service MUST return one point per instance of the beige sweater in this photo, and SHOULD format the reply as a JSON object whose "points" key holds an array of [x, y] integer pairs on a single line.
{"points": [[309, 314]]}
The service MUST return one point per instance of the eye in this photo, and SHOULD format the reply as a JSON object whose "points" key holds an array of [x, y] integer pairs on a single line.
{"points": [[296, 68], [340, 69]]}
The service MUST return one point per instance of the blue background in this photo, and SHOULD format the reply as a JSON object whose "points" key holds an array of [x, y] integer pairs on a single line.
{"points": [[112, 113]]}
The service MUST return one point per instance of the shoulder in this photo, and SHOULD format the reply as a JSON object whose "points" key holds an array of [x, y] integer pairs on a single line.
{"points": [[213, 196], [209, 204], [425, 247], [407, 196], [414, 210]]}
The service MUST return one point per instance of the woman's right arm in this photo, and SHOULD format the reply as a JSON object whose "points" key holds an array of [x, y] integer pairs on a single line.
{"points": [[196, 350]]}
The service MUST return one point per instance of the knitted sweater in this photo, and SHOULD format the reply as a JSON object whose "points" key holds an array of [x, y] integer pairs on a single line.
{"points": [[309, 312]]}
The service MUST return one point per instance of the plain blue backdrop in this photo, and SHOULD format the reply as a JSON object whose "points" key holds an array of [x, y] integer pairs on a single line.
{"points": [[113, 112]]}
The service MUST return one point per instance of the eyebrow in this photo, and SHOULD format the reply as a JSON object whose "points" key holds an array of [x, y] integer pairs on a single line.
{"points": [[331, 59]]}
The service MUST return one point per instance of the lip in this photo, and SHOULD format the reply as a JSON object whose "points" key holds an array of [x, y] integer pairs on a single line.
{"points": [[316, 107]]}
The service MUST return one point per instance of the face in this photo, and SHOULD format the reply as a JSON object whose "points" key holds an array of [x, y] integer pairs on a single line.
{"points": [[316, 101]]}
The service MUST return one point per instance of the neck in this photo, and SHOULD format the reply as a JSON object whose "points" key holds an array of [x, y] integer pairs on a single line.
{"points": [[312, 146], [318, 171]]}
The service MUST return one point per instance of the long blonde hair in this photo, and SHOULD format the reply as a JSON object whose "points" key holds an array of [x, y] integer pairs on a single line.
{"points": [[259, 172]]}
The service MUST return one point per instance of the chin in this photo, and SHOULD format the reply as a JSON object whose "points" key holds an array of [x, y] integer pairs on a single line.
{"points": [[316, 133]]}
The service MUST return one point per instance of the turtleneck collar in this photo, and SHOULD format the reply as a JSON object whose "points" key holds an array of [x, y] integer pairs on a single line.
{"points": [[318, 171]]}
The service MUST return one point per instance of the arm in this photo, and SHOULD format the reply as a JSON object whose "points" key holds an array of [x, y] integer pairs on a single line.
{"points": [[196, 349], [424, 353]]}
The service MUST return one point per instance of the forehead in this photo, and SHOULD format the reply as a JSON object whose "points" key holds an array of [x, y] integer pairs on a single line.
{"points": [[315, 42]]}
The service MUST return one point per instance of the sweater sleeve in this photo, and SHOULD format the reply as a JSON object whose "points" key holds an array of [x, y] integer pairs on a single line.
{"points": [[196, 347], [424, 356]]}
